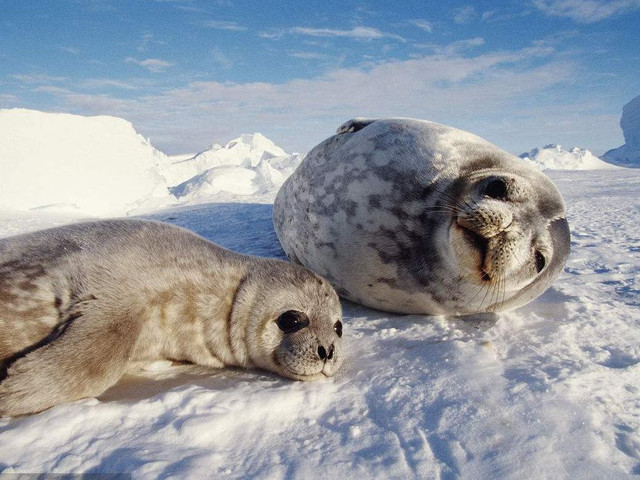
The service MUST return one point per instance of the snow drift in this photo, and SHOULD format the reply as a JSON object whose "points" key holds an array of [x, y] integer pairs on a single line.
{"points": [[554, 157], [102, 166], [546, 391], [91, 164], [628, 155], [247, 165], [265, 177]]}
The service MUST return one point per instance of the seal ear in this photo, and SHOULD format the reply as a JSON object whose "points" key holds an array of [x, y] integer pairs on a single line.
{"points": [[354, 125]]}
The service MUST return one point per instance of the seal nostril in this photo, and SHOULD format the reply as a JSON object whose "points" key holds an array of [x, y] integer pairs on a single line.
{"points": [[322, 353], [330, 356], [496, 188]]}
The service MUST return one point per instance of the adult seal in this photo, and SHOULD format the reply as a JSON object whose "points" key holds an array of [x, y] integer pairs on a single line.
{"points": [[83, 303], [411, 216]]}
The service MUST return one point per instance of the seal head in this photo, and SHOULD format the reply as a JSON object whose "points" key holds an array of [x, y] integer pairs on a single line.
{"points": [[295, 326]]}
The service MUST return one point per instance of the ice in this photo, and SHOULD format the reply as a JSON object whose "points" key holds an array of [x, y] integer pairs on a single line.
{"points": [[95, 165], [102, 166], [554, 157], [628, 155]]}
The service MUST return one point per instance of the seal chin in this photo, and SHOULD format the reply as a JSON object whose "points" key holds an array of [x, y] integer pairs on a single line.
{"points": [[286, 371], [310, 377]]}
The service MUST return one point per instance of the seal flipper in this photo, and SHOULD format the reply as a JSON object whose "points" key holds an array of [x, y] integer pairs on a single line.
{"points": [[87, 358], [354, 125]]}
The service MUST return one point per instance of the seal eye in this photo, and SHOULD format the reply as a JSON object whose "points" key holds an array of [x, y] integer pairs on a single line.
{"points": [[496, 188], [292, 321], [337, 327], [540, 261]]}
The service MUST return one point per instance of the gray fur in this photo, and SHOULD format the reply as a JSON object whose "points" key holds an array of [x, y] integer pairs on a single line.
{"points": [[81, 304], [388, 210]]}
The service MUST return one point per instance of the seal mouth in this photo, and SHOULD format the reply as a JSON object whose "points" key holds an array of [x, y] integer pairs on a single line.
{"points": [[297, 375], [481, 244]]}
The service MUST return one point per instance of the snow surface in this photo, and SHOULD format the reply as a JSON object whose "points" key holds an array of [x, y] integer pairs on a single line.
{"points": [[550, 390], [554, 157], [628, 155]]}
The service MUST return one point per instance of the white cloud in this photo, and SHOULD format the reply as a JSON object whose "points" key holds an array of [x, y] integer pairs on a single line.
{"points": [[453, 48], [148, 39], [107, 83], [309, 55], [422, 24], [223, 25], [220, 58], [358, 33], [8, 99], [586, 11], [36, 78], [446, 87], [464, 14], [152, 64], [72, 50]]}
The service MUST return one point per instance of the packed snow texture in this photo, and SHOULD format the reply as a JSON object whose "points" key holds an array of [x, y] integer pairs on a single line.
{"points": [[546, 391], [628, 155], [554, 157]]}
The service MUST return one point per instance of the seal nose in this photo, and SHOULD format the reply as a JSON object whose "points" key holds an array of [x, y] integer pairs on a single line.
{"points": [[322, 352]]}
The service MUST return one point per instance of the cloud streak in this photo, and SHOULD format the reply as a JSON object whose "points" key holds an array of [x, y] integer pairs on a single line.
{"points": [[422, 25], [464, 14], [587, 11], [223, 25], [358, 33], [36, 78], [154, 65]]}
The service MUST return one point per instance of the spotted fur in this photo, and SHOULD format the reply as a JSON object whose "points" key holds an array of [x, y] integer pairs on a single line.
{"points": [[395, 214]]}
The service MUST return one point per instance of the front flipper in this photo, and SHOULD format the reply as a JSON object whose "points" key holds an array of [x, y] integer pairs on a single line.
{"points": [[89, 356], [354, 125]]}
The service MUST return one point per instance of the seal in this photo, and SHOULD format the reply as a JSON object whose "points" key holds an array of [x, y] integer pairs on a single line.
{"points": [[411, 216], [81, 304]]}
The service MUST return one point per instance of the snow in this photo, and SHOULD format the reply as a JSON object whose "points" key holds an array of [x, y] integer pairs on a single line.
{"points": [[265, 177], [69, 162], [247, 165], [554, 157], [549, 390], [102, 166], [628, 155]]}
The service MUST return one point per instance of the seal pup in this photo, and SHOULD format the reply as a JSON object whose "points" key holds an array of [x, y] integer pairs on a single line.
{"points": [[412, 216], [80, 304]]}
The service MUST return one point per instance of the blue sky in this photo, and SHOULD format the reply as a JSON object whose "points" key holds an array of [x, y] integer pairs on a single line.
{"points": [[189, 73]]}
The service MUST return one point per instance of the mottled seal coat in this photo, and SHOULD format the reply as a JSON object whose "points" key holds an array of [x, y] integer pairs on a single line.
{"points": [[80, 304], [411, 216]]}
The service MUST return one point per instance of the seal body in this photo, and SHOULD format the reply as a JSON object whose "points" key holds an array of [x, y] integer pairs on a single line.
{"points": [[81, 304], [411, 216]]}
